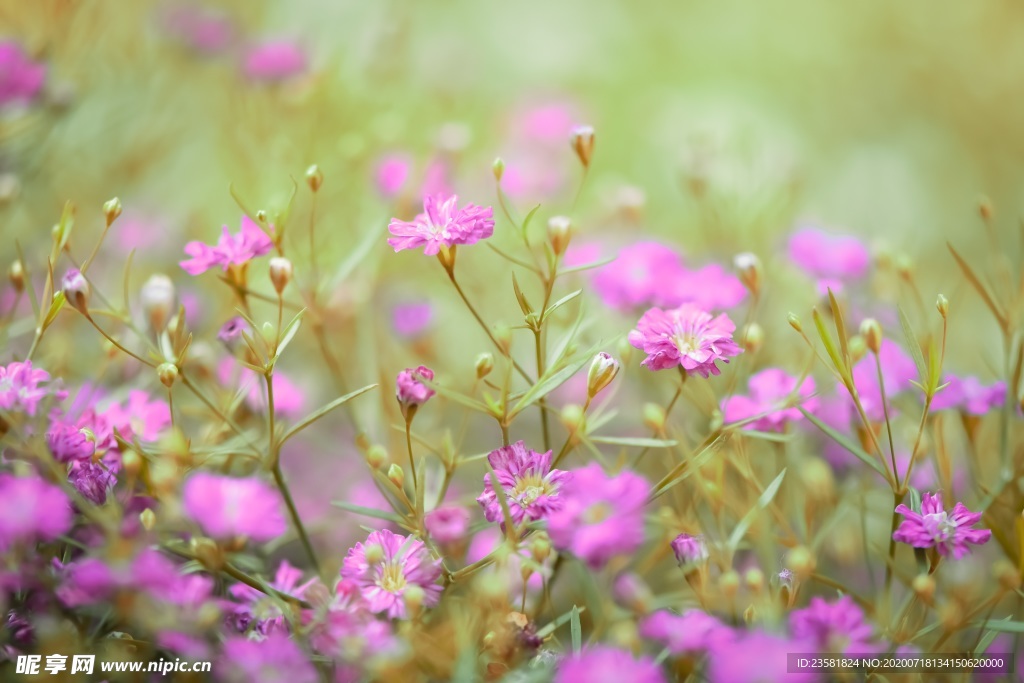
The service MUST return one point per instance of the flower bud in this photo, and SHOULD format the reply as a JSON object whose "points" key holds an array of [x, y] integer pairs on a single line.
{"points": [[904, 266], [148, 519], [872, 333], [582, 142], [376, 456], [208, 554], [654, 418], [540, 547], [413, 597], [801, 561], [559, 233], [729, 584], [752, 337], [76, 290], [818, 480], [603, 370], [168, 373], [748, 267], [689, 549], [314, 177], [572, 417], [230, 333], [396, 475], [269, 332], [280, 272], [112, 209], [374, 554], [498, 168], [484, 365], [131, 462], [924, 587], [794, 322], [503, 335], [158, 299], [858, 348], [630, 591], [754, 578], [942, 305], [16, 274]]}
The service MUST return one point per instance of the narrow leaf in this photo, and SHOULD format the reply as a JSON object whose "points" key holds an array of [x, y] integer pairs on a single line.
{"points": [[639, 442], [577, 630], [313, 417], [845, 442], [915, 346], [368, 512], [762, 502], [979, 287]]}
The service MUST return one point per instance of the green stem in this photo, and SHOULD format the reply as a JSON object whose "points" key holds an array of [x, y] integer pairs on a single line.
{"points": [[408, 445], [294, 514]]}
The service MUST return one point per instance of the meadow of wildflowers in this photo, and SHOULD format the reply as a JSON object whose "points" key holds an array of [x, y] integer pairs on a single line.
{"points": [[545, 342]]}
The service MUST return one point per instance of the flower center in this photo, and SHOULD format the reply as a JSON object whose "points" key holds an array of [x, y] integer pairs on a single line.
{"points": [[392, 579], [597, 513], [529, 489], [940, 526], [440, 231], [686, 343]]}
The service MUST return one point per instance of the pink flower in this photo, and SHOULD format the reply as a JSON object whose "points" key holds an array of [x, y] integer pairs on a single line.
{"points": [[385, 565], [509, 572], [689, 549], [226, 507], [637, 274], [768, 390], [204, 31], [443, 224], [549, 123], [532, 489], [68, 442], [409, 390], [447, 524], [969, 395], [833, 627], [603, 663], [141, 416], [826, 256], [686, 336], [764, 659], [412, 319], [20, 389], [230, 333], [289, 398], [933, 527], [93, 480], [261, 613], [275, 659], [230, 250], [21, 79], [600, 516], [692, 633], [274, 61], [898, 370], [711, 288], [392, 173], [31, 510], [91, 580]]}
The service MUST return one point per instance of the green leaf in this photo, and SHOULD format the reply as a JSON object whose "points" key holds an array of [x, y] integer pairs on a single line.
{"points": [[989, 636], [289, 333], [639, 442], [545, 385], [979, 287], [845, 442], [577, 630], [368, 512], [1002, 626], [764, 436], [560, 621], [313, 417], [241, 204], [356, 257], [526, 221], [587, 266], [512, 259], [830, 346], [762, 502], [456, 396], [915, 346], [561, 302], [837, 316]]}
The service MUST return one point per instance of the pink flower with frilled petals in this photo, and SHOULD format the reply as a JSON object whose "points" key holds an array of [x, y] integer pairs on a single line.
{"points": [[603, 663], [969, 395], [833, 626], [21, 390], [402, 562], [274, 61], [226, 507], [21, 79], [31, 510], [289, 398], [769, 389], [92, 479], [600, 516], [948, 532], [67, 443], [409, 390], [828, 257], [692, 633], [532, 488], [686, 336], [442, 224], [231, 250], [710, 287], [141, 416]]}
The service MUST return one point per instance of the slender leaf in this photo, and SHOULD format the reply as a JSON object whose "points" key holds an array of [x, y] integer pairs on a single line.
{"points": [[587, 266], [526, 221], [546, 385], [762, 502], [368, 512], [512, 259], [560, 621], [1002, 626], [561, 302], [979, 287], [837, 316], [845, 442], [639, 442], [313, 417], [577, 630], [456, 396], [915, 346]]}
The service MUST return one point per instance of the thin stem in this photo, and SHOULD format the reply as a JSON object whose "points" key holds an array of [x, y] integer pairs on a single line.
{"points": [[888, 424], [294, 514], [115, 343], [408, 445], [541, 404], [668, 410]]}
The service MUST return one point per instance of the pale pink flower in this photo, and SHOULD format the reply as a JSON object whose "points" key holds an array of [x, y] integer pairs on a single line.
{"points": [[253, 609], [409, 390], [948, 532], [447, 524], [204, 31], [637, 275], [392, 174], [289, 398], [21, 79], [274, 61], [686, 336], [532, 489], [141, 416], [402, 562], [231, 250], [898, 370], [711, 288], [442, 224], [275, 659], [769, 389], [690, 634], [764, 659], [226, 507], [21, 388], [837, 626], [826, 256], [412, 319]]}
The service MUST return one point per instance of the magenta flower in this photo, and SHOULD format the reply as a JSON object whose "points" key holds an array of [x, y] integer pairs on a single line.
{"points": [[692, 633], [833, 627], [260, 613], [31, 510], [67, 443], [600, 516], [392, 173], [447, 524], [93, 480], [21, 79], [386, 565], [898, 370], [637, 275], [532, 488], [412, 319], [274, 61], [226, 507], [933, 527], [91, 580], [409, 390], [141, 416], [603, 663], [230, 250], [20, 389], [689, 549], [687, 337], [230, 333], [710, 288], [275, 659], [442, 224], [828, 257], [769, 389], [969, 395], [764, 660]]}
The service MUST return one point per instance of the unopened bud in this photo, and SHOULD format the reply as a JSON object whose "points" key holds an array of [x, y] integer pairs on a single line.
{"points": [[582, 141], [396, 475], [603, 370], [314, 177], [794, 322], [498, 168], [654, 418], [572, 417], [413, 597], [631, 591], [752, 337], [208, 554], [280, 272], [872, 333], [268, 331], [168, 373], [904, 266], [158, 299], [729, 584], [503, 335], [858, 348], [754, 578], [376, 456], [131, 462], [16, 274], [76, 290], [559, 233], [801, 561], [748, 267], [484, 365], [261, 216], [374, 554], [819, 482], [112, 209], [540, 547], [924, 587], [942, 305], [148, 519]]}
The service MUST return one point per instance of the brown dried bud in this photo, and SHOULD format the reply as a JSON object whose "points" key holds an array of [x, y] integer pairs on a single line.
{"points": [[871, 330], [559, 233], [168, 373], [112, 209], [280, 272], [484, 365], [16, 274], [314, 177], [582, 141], [794, 322], [748, 267]]}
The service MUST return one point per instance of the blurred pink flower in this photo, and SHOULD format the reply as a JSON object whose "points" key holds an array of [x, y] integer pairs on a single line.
{"points": [[206, 31], [67, 443], [768, 390], [275, 659], [90, 580], [392, 174], [898, 369], [826, 256], [447, 524], [412, 319], [31, 510], [637, 275], [230, 250], [21, 79], [274, 61], [140, 416], [226, 507], [488, 540], [686, 336], [532, 489], [690, 634], [93, 480], [833, 627], [550, 123], [21, 390], [395, 563], [764, 659], [604, 663], [948, 532], [443, 224], [710, 287], [969, 395], [689, 549], [600, 516], [254, 610], [289, 398]]}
